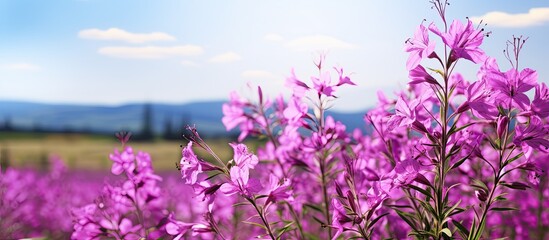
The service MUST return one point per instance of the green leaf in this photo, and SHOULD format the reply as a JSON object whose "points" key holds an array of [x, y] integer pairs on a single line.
{"points": [[423, 191], [287, 227], [373, 222], [440, 72], [503, 209], [514, 158], [479, 184], [241, 204], [256, 224], [449, 210], [447, 232], [260, 196], [456, 211], [406, 217], [461, 228], [314, 207], [212, 176], [458, 163], [455, 130], [515, 185]]}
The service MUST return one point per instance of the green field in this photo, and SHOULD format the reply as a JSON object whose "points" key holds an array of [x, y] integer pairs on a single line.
{"points": [[92, 151]]}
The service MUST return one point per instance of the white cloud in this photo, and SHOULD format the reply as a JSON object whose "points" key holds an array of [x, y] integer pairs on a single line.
{"points": [[188, 63], [22, 66], [225, 58], [258, 74], [534, 17], [151, 52], [318, 42], [117, 34], [273, 37]]}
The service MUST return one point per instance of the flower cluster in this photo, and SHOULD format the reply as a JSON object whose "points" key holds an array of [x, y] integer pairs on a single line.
{"points": [[133, 209], [36, 203]]}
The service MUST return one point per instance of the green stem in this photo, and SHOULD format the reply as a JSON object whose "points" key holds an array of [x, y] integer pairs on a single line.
{"points": [[497, 179], [263, 219], [325, 195], [294, 215]]}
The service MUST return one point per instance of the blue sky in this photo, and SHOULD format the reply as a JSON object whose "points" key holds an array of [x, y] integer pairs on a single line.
{"points": [[115, 52]]}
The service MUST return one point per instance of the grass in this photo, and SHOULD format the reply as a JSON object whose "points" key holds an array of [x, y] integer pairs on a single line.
{"points": [[80, 151]]}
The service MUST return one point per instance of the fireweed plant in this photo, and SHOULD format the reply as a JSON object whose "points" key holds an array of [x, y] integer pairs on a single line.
{"points": [[447, 158]]}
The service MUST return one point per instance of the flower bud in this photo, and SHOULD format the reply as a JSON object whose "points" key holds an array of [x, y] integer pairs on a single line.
{"points": [[502, 125], [481, 195]]}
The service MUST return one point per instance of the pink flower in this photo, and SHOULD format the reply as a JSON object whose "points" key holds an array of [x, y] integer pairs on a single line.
{"points": [[122, 161], [339, 217], [125, 226], [420, 75], [190, 165], [419, 47], [540, 105], [277, 191], [509, 87], [532, 136], [405, 113], [233, 111], [177, 228], [343, 79], [232, 116], [295, 110], [323, 85], [298, 87], [406, 171], [242, 157], [464, 41], [478, 100], [241, 183]]}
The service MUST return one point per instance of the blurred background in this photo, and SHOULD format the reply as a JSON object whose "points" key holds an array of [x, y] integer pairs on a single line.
{"points": [[74, 72]]}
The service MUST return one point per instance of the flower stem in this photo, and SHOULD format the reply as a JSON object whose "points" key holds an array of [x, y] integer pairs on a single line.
{"points": [[263, 218], [497, 178], [325, 195]]}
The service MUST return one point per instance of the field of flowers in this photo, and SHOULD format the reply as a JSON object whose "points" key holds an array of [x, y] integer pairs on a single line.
{"points": [[448, 158]]}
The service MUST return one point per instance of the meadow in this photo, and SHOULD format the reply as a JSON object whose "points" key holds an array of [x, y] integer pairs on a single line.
{"points": [[87, 151]]}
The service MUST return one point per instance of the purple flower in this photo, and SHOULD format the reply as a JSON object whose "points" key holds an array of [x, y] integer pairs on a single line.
{"points": [[478, 100], [232, 116], [242, 157], [241, 183], [532, 136], [190, 165], [406, 171], [420, 75], [540, 104], [298, 87], [122, 161], [177, 228], [502, 126], [419, 47], [323, 84], [511, 86], [295, 110], [343, 79], [405, 113], [277, 191], [464, 41], [125, 226], [339, 217], [206, 192]]}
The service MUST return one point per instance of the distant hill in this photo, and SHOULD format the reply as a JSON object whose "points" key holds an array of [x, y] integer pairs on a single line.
{"points": [[109, 119]]}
